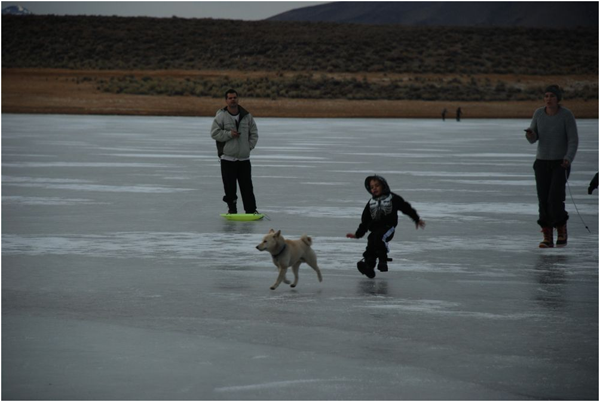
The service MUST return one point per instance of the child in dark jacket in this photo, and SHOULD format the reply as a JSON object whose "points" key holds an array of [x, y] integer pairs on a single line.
{"points": [[380, 217]]}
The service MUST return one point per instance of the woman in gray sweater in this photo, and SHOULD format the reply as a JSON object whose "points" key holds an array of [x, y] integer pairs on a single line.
{"points": [[553, 127]]}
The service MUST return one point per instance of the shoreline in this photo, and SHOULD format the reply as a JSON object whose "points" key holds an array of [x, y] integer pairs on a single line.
{"points": [[50, 91]]}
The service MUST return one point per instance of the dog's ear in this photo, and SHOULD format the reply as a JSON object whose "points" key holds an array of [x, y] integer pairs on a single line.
{"points": [[271, 231], [278, 233]]}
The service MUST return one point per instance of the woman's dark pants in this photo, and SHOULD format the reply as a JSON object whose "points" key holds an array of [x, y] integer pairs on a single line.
{"points": [[551, 180], [232, 174]]}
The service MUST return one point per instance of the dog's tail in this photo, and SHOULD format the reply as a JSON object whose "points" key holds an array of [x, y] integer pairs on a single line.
{"points": [[307, 240]]}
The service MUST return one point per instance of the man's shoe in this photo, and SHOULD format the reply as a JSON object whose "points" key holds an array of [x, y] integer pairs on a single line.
{"points": [[232, 208]]}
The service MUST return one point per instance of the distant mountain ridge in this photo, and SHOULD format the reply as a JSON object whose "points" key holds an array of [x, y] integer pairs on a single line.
{"points": [[463, 14], [15, 10]]}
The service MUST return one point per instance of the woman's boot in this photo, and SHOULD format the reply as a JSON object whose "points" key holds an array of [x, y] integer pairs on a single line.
{"points": [[548, 241], [561, 238]]}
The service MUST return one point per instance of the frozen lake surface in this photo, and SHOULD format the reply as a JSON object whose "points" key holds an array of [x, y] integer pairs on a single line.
{"points": [[121, 281]]}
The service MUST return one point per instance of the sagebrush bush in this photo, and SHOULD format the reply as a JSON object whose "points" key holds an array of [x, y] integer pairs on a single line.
{"points": [[324, 87]]}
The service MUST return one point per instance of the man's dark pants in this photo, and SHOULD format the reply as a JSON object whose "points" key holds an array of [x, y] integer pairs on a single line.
{"points": [[551, 180], [232, 174]]}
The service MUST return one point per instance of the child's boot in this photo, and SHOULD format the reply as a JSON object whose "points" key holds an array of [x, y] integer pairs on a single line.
{"points": [[382, 266], [548, 240], [362, 266], [370, 262], [366, 266], [383, 260]]}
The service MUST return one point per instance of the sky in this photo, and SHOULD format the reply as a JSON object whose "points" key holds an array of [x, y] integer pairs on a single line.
{"points": [[236, 10]]}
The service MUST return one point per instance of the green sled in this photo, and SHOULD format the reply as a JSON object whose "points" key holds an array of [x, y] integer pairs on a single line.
{"points": [[243, 217]]}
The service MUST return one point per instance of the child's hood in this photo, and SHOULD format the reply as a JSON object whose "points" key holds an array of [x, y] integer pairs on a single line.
{"points": [[386, 187]]}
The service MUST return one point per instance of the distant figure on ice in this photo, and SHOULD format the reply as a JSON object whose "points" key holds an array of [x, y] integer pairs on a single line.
{"points": [[444, 114], [553, 127], [380, 217], [236, 135], [593, 184], [458, 113]]}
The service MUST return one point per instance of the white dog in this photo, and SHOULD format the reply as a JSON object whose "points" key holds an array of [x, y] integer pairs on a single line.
{"points": [[289, 253]]}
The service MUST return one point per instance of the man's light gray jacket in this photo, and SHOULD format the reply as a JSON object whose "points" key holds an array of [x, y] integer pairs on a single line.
{"points": [[238, 148]]}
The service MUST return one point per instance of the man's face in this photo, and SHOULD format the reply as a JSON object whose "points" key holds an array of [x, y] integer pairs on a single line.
{"points": [[232, 100]]}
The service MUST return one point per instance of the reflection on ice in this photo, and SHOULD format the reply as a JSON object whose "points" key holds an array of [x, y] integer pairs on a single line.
{"points": [[433, 174], [313, 183], [80, 165], [102, 188], [318, 212], [253, 387], [47, 201], [83, 185]]}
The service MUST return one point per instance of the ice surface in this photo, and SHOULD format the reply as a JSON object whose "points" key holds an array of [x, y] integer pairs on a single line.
{"points": [[121, 281]]}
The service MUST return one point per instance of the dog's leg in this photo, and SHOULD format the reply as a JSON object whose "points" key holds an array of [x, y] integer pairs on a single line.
{"points": [[311, 260], [295, 270], [280, 277]]}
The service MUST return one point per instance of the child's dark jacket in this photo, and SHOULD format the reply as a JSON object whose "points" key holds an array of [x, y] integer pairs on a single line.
{"points": [[382, 212]]}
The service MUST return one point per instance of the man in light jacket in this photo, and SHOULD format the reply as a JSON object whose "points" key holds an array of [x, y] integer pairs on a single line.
{"points": [[236, 135]]}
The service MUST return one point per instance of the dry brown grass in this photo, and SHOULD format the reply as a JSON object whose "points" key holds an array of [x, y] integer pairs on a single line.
{"points": [[58, 92]]}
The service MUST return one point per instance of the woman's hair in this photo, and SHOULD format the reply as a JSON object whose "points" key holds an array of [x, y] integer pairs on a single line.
{"points": [[555, 89]]}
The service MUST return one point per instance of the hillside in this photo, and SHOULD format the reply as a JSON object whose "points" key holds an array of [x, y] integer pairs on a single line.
{"points": [[86, 42], [560, 14], [162, 66]]}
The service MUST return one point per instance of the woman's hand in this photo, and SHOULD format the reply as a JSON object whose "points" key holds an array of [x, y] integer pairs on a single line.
{"points": [[530, 134], [420, 224], [351, 235]]}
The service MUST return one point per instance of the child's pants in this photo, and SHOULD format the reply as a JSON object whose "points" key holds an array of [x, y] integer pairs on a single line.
{"points": [[377, 243]]}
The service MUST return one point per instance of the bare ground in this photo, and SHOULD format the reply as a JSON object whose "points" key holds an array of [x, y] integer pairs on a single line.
{"points": [[52, 91]]}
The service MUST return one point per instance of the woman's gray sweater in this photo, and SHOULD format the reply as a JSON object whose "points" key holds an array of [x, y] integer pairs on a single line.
{"points": [[557, 135]]}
